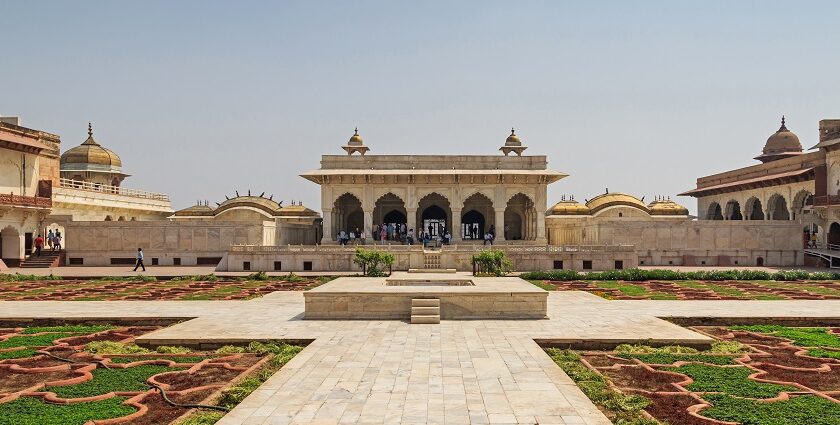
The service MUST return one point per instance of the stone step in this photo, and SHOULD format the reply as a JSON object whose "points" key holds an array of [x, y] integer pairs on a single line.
{"points": [[425, 302], [428, 320], [425, 311]]}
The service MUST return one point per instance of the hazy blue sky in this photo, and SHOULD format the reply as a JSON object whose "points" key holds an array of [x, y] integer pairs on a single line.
{"points": [[203, 98]]}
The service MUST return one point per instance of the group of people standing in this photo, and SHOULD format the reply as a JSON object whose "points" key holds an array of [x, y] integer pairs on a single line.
{"points": [[53, 241], [398, 232]]}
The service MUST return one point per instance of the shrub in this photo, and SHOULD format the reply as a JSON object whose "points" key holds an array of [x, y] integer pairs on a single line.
{"points": [[17, 277], [492, 262], [111, 347], [258, 276], [230, 349], [372, 262], [168, 349]]}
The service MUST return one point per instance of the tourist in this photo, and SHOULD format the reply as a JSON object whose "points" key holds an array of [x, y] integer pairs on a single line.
{"points": [[50, 240], [139, 260], [447, 238], [39, 244], [488, 238], [358, 233], [352, 237], [383, 234], [409, 236], [342, 237], [814, 240], [57, 241]]}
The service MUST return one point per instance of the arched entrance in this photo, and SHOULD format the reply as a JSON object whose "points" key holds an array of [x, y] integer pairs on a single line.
{"points": [[11, 246], [348, 215], [520, 218], [478, 217], [58, 230], [754, 209], [733, 211], [389, 211], [834, 234], [802, 201], [777, 208], [434, 215], [714, 212], [472, 224]]}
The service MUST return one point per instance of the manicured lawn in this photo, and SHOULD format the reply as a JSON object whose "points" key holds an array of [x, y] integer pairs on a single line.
{"points": [[729, 380], [804, 337], [805, 410], [33, 411], [108, 380]]}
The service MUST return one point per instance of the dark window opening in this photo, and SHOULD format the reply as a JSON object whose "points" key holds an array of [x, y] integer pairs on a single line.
{"points": [[76, 261], [670, 262], [246, 265], [558, 264], [278, 265], [307, 266], [642, 263], [759, 261], [619, 264], [122, 261], [208, 261], [703, 263], [155, 261], [587, 264], [176, 261]]}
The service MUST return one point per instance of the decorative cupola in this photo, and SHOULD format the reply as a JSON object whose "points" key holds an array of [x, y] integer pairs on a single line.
{"points": [[92, 162], [781, 144], [355, 144], [513, 144]]}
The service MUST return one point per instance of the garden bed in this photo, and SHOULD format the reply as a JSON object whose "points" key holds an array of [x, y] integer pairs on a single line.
{"points": [[72, 374], [208, 287], [700, 290], [756, 375]]}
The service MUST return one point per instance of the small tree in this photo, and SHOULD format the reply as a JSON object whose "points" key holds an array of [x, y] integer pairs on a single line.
{"points": [[373, 263], [491, 262]]}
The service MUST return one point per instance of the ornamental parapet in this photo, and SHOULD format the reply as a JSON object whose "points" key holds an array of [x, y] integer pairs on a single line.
{"points": [[25, 201], [466, 248], [113, 190]]}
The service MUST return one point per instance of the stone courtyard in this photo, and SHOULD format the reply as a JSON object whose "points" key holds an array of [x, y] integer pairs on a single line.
{"points": [[391, 371]]}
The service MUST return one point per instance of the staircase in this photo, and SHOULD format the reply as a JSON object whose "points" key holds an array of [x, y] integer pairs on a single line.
{"points": [[47, 259], [425, 311]]}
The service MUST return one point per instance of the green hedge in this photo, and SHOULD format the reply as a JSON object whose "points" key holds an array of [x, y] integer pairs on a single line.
{"points": [[639, 275]]}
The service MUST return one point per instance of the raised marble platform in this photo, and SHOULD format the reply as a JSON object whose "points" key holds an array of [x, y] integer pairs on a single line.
{"points": [[461, 295]]}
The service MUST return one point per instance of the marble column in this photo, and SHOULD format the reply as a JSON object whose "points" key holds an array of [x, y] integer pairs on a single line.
{"points": [[456, 225], [329, 232], [411, 219], [541, 234], [500, 224]]}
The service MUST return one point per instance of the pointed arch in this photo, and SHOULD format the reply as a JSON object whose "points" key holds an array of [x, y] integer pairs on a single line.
{"points": [[777, 208], [733, 210], [714, 212], [520, 218], [754, 209]]}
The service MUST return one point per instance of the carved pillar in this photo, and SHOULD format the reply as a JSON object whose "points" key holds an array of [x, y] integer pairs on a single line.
{"points": [[411, 219], [541, 234], [456, 225], [329, 231], [500, 224]]}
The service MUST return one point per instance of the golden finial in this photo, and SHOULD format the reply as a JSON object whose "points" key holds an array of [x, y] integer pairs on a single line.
{"points": [[512, 131], [356, 131], [90, 129]]}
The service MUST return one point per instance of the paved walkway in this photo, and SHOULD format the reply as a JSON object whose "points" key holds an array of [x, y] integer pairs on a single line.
{"points": [[384, 372]]}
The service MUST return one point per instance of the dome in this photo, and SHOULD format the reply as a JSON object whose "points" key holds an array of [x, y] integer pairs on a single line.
{"points": [[667, 207], [90, 156], [264, 204], [781, 144], [297, 210], [569, 207], [355, 139], [607, 200], [513, 139]]}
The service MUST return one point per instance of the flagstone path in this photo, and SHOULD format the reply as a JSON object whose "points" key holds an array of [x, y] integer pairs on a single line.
{"points": [[388, 372]]}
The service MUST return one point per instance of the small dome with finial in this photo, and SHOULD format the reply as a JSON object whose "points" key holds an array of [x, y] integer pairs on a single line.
{"points": [[781, 144], [513, 139], [355, 139], [90, 156]]}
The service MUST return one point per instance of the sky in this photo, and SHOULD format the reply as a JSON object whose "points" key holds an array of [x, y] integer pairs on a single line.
{"points": [[203, 98]]}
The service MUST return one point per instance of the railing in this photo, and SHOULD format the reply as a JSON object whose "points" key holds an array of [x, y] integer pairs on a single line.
{"points": [[467, 248], [25, 201], [116, 190], [826, 200]]}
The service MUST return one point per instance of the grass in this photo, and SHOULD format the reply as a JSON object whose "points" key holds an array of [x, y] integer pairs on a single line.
{"points": [[33, 411], [33, 340], [803, 337], [674, 353], [108, 380], [661, 358], [729, 380], [17, 354], [17, 277], [620, 408], [180, 359], [627, 289], [87, 329], [543, 285], [202, 418], [809, 409], [818, 352]]}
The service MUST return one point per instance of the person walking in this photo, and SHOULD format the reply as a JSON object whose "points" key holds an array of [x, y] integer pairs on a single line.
{"points": [[57, 241], [50, 239], [39, 244], [139, 260]]}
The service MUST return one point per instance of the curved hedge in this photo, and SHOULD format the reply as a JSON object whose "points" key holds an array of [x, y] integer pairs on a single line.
{"points": [[639, 275]]}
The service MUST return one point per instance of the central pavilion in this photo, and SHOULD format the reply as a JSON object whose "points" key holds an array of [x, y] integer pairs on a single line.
{"points": [[466, 195]]}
